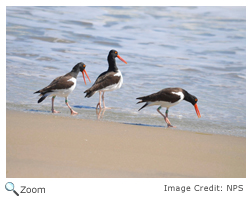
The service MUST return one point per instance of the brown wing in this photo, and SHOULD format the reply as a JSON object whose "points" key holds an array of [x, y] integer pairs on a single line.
{"points": [[105, 79], [163, 95], [58, 83]]}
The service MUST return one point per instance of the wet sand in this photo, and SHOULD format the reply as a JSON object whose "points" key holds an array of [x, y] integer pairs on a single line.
{"points": [[49, 145]]}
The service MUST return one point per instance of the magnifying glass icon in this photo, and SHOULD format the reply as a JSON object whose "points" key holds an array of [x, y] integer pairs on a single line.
{"points": [[10, 187]]}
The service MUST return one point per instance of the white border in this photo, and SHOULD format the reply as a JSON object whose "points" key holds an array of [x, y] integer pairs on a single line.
{"points": [[121, 189]]}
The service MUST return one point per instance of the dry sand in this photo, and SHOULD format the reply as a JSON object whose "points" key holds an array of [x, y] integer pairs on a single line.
{"points": [[39, 145]]}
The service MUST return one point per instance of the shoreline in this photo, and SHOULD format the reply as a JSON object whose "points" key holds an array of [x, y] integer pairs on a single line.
{"points": [[47, 145], [128, 117]]}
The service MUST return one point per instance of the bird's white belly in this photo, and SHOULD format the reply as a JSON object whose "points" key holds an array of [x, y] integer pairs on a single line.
{"points": [[64, 92], [163, 103], [115, 86]]}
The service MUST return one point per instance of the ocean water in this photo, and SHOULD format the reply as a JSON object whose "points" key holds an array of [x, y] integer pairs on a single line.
{"points": [[200, 49]]}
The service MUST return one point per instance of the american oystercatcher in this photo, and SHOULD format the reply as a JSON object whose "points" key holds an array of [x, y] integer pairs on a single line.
{"points": [[62, 86], [107, 81], [167, 98]]}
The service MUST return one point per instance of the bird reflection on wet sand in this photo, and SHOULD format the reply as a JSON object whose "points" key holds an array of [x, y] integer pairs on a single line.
{"points": [[100, 112]]}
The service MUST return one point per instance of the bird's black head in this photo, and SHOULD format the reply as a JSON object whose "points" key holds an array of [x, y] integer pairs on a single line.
{"points": [[192, 99], [111, 60], [80, 67], [113, 53]]}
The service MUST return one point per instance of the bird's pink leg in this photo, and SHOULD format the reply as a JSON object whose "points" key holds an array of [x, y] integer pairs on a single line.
{"points": [[167, 120], [99, 104], [53, 110], [104, 107], [72, 111], [165, 117]]}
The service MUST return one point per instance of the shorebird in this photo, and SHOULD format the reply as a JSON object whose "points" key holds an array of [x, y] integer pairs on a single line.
{"points": [[169, 97], [107, 81], [62, 86]]}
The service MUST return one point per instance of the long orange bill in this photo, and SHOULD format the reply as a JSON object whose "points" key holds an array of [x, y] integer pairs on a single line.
{"points": [[84, 77], [84, 71], [87, 75], [121, 59], [197, 110]]}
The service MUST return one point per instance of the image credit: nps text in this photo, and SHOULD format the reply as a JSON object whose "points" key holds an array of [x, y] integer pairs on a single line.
{"points": [[201, 188]]}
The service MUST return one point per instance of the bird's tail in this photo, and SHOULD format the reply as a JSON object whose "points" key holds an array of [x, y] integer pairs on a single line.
{"points": [[89, 93], [42, 98], [143, 106], [141, 101]]}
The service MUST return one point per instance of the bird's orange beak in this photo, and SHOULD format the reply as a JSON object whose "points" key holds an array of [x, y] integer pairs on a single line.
{"points": [[197, 110], [121, 59], [84, 71]]}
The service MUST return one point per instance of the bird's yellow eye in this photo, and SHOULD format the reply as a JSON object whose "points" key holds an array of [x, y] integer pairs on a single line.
{"points": [[84, 65], [196, 99], [116, 52]]}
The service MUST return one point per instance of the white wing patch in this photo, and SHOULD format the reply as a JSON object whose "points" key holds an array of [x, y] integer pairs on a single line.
{"points": [[179, 94], [72, 80], [118, 73]]}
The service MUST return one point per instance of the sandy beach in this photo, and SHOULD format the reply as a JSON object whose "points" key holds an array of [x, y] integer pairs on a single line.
{"points": [[49, 145]]}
